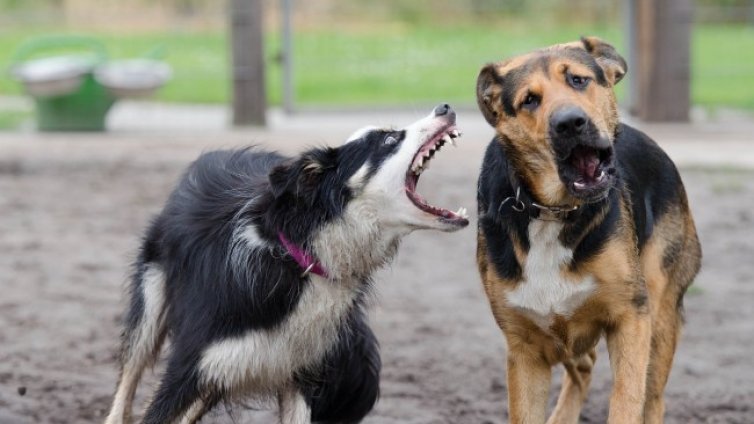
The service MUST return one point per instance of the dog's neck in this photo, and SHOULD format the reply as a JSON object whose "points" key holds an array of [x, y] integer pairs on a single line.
{"points": [[523, 201], [355, 245], [307, 262]]}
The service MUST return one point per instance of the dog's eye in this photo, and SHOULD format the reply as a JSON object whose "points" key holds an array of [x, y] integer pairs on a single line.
{"points": [[577, 81], [390, 140], [531, 102]]}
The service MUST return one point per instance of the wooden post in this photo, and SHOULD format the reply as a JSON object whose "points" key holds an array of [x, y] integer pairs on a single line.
{"points": [[661, 37], [632, 41], [249, 95], [287, 36]]}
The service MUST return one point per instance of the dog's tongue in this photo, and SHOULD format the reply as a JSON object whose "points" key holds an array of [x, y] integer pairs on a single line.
{"points": [[587, 161]]}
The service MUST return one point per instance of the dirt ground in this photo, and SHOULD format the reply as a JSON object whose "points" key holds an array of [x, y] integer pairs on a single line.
{"points": [[72, 208]]}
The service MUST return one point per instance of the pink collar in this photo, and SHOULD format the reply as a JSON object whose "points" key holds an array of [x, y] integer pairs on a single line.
{"points": [[303, 259]]}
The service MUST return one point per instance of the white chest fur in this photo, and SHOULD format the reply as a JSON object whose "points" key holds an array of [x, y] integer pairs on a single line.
{"points": [[544, 291], [265, 359]]}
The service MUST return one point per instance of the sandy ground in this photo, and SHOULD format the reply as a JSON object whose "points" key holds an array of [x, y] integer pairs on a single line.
{"points": [[72, 208]]}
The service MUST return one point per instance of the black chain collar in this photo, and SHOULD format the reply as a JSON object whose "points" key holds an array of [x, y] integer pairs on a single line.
{"points": [[558, 212]]}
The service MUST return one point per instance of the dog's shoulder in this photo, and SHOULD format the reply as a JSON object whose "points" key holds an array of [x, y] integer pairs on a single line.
{"points": [[216, 186], [650, 178], [491, 184], [230, 168], [496, 223], [641, 159]]}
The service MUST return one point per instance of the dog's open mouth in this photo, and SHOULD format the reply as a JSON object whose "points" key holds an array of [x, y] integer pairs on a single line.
{"points": [[592, 166], [420, 163]]}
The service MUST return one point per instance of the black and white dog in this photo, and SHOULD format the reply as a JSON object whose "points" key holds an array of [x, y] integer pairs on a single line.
{"points": [[258, 268]]}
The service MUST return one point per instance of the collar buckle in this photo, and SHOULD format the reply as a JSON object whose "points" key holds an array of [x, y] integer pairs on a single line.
{"points": [[518, 204], [307, 270], [306, 261]]}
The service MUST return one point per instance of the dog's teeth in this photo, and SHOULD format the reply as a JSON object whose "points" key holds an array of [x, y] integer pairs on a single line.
{"points": [[602, 175], [446, 138], [455, 133], [419, 166], [579, 185]]}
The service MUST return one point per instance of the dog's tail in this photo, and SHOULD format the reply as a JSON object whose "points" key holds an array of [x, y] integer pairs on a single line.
{"points": [[144, 328], [349, 385]]}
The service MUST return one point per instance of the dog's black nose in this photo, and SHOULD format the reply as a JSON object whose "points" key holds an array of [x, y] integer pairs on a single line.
{"points": [[443, 109], [568, 121]]}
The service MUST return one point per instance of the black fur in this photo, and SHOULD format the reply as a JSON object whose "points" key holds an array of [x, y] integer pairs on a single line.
{"points": [[653, 184], [216, 289], [348, 383]]}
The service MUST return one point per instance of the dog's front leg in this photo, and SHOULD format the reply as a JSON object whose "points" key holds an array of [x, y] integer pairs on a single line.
{"points": [[293, 406], [528, 386], [628, 343]]}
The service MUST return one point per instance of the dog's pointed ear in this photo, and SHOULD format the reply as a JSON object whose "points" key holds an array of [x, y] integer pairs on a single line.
{"points": [[302, 176], [612, 64], [488, 91]]}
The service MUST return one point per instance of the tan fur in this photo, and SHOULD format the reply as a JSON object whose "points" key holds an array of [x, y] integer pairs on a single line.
{"points": [[527, 132], [636, 304]]}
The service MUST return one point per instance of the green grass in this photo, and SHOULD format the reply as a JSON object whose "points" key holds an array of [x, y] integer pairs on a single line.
{"points": [[412, 65], [198, 60], [12, 119], [723, 66], [403, 64], [694, 290]]}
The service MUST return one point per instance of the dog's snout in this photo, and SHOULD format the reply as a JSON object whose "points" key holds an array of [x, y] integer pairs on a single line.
{"points": [[569, 121], [443, 109]]}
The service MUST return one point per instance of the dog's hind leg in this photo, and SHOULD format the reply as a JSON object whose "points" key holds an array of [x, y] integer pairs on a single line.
{"points": [[666, 330], [179, 398], [142, 338], [196, 411], [574, 389], [669, 268]]}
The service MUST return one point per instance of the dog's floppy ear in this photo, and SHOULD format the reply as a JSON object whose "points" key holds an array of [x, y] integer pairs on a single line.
{"points": [[488, 92], [607, 57], [281, 179], [302, 177]]}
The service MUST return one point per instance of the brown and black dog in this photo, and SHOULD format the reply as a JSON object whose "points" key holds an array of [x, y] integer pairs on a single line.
{"points": [[584, 231]]}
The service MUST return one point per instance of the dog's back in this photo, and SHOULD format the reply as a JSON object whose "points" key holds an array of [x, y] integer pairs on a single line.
{"points": [[660, 209]]}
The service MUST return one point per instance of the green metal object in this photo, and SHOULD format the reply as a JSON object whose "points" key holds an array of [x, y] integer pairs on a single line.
{"points": [[85, 108]]}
